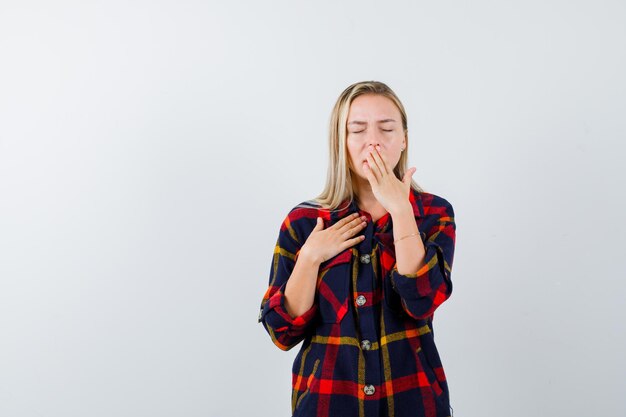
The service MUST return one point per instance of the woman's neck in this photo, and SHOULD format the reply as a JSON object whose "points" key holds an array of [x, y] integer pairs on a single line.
{"points": [[366, 200]]}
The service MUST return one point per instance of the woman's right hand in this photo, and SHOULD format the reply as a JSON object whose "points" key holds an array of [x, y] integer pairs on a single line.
{"points": [[322, 244]]}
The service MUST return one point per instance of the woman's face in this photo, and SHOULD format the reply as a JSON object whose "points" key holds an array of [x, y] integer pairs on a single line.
{"points": [[374, 120]]}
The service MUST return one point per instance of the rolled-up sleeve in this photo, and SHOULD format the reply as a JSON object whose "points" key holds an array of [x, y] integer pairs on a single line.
{"points": [[284, 330], [422, 292]]}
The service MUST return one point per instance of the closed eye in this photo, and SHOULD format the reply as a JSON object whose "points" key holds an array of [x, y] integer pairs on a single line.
{"points": [[361, 131]]}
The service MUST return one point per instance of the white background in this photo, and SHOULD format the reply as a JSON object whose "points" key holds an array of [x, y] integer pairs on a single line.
{"points": [[149, 151]]}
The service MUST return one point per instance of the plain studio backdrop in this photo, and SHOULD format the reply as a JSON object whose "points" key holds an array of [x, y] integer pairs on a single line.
{"points": [[150, 150]]}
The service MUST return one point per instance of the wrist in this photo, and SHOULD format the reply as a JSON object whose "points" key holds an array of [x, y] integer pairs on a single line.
{"points": [[304, 256], [402, 210]]}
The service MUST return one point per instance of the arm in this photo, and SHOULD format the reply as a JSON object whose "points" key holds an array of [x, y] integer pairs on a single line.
{"points": [[288, 306], [421, 275]]}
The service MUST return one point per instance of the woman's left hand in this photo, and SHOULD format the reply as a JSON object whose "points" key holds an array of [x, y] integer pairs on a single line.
{"points": [[390, 192]]}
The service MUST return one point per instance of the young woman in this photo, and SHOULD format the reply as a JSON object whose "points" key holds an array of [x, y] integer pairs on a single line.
{"points": [[358, 272]]}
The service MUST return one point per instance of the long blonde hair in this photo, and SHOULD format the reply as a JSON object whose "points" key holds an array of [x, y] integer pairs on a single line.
{"points": [[339, 178]]}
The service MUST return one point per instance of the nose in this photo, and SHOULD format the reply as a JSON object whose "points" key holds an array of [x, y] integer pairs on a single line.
{"points": [[373, 138]]}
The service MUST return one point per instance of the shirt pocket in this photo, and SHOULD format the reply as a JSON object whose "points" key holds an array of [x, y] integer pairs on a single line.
{"points": [[334, 287]]}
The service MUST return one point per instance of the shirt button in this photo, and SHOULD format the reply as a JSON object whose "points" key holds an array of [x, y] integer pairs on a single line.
{"points": [[369, 389], [366, 344], [365, 259], [360, 300]]}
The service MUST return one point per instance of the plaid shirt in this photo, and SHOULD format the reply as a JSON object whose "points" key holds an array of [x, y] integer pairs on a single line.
{"points": [[369, 347]]}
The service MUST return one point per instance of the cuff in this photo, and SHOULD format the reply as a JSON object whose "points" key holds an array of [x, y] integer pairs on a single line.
{"points": [[430, 262], [284, 319]]}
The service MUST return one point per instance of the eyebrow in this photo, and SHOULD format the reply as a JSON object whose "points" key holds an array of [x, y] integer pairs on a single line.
{"points": [[360, 122]]}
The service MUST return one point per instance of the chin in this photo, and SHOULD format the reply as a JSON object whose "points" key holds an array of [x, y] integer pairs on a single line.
{"points": [[356, 173]]}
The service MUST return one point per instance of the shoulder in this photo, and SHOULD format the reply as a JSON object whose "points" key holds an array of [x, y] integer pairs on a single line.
{"points": [[301, 219], [433, 204]]}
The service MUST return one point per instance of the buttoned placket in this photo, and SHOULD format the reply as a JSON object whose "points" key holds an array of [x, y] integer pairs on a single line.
{"points": [[366, 315]]}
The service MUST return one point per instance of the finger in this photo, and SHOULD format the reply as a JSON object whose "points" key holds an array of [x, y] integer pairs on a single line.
{"points": [[354, 231], [351, 242], [408, 175], [374, 167], [319, 224], [369, 174], [380, 161], [343, 221], [355, 224]]}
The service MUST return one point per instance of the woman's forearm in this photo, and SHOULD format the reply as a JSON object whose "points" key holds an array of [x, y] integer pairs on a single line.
{"points": [[410, 252], [301, 286]]}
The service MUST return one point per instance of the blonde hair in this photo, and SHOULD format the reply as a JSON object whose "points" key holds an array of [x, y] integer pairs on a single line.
{"points": [[339, 178]]}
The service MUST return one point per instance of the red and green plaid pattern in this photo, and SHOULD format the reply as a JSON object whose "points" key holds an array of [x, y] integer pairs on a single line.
{"points": [[368, 341]]}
